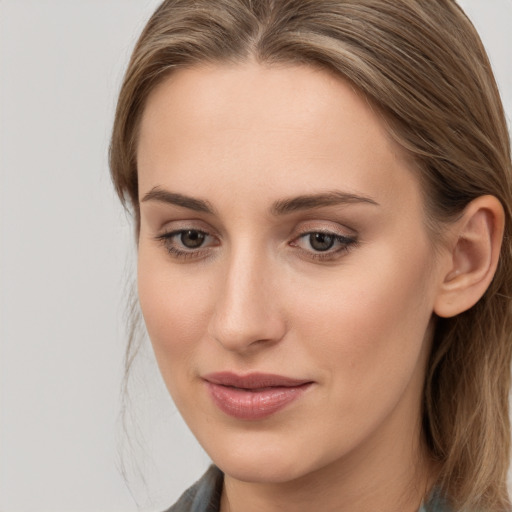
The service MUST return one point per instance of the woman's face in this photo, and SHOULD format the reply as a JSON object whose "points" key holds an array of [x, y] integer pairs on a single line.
{"points": [[285, 274]]}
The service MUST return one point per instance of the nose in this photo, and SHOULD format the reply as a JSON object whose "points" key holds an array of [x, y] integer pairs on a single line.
{"points": [[248, 313]]}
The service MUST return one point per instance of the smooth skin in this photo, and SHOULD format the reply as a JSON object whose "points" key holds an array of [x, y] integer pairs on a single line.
{"points": [[237, 274]]}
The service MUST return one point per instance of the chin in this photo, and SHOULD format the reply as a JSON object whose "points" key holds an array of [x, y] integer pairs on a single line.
{"points": [[267, 471], [262, 463]]}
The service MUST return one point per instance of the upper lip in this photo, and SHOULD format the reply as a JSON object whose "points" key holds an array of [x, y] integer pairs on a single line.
{"points": [[253, 380]]}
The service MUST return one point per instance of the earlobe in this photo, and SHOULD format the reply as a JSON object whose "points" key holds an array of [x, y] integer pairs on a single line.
{"points": [[475, 243]]}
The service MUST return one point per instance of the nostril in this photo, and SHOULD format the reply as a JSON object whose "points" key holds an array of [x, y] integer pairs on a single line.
{"points": [[246, 334]]}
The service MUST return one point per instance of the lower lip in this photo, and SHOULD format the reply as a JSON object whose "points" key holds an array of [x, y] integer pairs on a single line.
{"points": [[255, 404]]}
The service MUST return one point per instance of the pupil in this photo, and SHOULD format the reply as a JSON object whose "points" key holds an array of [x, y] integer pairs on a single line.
{"points": [[192, 239], [321, 241]]}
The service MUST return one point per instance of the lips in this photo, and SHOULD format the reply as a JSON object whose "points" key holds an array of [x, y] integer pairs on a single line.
{"points": [[253, 396]]}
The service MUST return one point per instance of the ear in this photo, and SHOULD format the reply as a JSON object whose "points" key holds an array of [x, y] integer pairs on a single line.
{"points": [[474, 248]]}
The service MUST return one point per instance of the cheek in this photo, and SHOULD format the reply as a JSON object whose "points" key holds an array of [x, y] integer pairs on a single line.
{"points": [[367, 325], [175, 312]]}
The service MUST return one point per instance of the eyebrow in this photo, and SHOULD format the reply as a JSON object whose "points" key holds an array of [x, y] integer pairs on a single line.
{"points": [[164, 196], [312, 201], [280, 207]]}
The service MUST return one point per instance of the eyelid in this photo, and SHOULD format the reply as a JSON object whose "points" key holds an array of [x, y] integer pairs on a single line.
{"points": [[177, 250], [331, 255], [328, 227], [340, 238], [175, 232], [346, 239], [183, 224]]}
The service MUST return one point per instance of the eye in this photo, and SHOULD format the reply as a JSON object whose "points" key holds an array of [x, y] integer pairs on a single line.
{"points": [[187, 243], [323, 245], [321, 241], [192, 239]]}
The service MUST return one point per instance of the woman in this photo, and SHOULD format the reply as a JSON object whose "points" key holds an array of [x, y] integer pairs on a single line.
{"points": [[321, 192]]}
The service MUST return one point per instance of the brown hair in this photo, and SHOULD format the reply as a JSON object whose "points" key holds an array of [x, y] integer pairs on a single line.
{"points": [[424, 67]]}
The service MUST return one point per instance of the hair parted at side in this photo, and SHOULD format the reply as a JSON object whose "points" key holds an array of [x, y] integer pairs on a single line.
{"points": [[423, 66]]}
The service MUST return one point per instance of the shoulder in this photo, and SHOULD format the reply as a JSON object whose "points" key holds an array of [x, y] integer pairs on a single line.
{"points": [[204, 495]]}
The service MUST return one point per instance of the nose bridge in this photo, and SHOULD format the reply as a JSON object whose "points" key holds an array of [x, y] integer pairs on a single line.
{"points": [[247, 310]]}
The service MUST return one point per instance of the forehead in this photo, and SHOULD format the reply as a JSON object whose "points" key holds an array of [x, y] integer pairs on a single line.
{"points": [[292, 127]]}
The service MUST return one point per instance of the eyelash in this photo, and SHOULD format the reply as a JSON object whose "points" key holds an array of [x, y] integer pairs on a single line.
{"points": [[167, 240], [345, 245]]}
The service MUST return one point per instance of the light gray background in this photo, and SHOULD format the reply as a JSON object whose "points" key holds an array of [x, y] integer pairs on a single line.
{"points": [[65, 266]]}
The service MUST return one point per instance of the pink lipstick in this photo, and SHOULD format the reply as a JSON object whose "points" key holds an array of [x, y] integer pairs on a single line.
{"points": [[253, 396]]}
